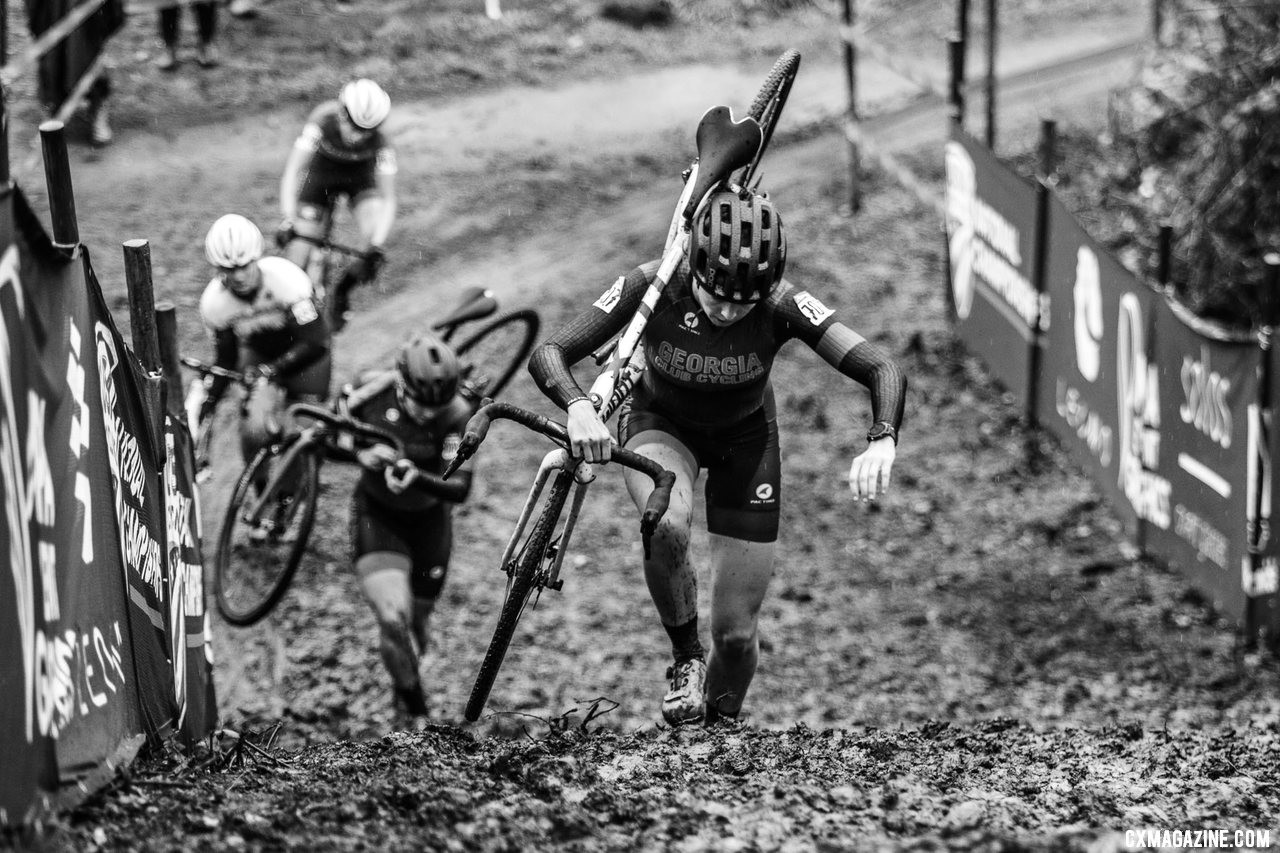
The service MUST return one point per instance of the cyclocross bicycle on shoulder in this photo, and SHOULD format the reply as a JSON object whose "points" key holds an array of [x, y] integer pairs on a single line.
{"points": [[729, 152]]}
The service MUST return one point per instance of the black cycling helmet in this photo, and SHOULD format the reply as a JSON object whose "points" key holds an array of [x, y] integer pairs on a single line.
{"points": [[738, 249], [429, 370]]}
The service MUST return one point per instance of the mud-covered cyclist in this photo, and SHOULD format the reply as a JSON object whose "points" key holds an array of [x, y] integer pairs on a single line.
{"points": [[341, 151], [705, 401], [401, 509], [265, 324]]}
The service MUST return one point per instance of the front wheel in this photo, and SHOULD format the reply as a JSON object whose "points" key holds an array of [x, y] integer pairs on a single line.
{"points": [[528, 560], [767, 107], [265, 531], [495, 351]]}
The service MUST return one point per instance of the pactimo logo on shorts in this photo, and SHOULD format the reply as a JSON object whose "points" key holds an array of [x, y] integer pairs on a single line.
{"points": [[685, 366]]}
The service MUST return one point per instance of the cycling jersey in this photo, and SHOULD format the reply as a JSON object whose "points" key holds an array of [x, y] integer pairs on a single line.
{"points": [[322, 137], [280, 325], [711, 377], [430, 446]]}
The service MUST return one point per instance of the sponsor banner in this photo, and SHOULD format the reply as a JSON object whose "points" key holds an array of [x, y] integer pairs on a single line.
{"points": [[97, 688], [104, 634], [1157, 411], [1093, 299], [1198, 455], [136, 493], [191, 649], [990, 218], [29, 766]]}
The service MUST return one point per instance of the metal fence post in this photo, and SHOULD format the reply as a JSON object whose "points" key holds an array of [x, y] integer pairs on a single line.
{"points": [[992, 23], [1256, 536], [955, 92], [1039, 273], [851, 78]]}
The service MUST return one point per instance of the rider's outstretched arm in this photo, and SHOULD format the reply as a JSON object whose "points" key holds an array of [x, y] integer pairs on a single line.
{"points": [[291, 180], [549, 365], [311, 338], [845, 350]]}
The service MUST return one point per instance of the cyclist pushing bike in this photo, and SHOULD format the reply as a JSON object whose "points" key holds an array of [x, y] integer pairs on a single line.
{"points": [[265, 324], [401, 510], [341, 151], [705, 402]]}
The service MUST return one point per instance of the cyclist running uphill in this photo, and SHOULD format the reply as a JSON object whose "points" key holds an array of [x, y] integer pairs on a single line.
{"points": [[401, 510], [341, 151], [705, 401], [265, 324]]}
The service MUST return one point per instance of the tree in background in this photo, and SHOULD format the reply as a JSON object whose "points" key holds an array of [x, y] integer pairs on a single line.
{"points": [[1196, 144]]}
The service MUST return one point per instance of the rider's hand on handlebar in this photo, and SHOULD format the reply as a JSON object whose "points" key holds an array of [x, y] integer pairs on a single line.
{"points": [[258, 373], [377, 457], [374, 257], [588, 436], [285, 233], [869, 473], [399, 475]]}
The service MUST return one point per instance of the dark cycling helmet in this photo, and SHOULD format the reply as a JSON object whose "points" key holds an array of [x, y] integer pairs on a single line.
{"points": [[429, 370], [738, 249]]}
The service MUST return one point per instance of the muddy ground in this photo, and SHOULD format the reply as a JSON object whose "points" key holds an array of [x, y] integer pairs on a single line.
{"points": [[978, 662]]}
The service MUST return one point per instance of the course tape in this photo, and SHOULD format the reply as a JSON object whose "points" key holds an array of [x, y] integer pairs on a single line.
{"points": [[910, 73], [887, 162], [27, 59]]}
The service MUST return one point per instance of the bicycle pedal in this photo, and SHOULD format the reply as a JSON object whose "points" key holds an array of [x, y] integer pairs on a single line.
{"points": [[557, 585]]}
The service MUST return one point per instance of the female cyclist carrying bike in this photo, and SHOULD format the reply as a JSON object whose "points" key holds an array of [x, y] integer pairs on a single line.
{"points": [[705, 401], [402, 526]]}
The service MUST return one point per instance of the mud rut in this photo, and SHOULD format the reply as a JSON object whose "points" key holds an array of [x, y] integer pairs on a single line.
{"points": [[978, 663]]}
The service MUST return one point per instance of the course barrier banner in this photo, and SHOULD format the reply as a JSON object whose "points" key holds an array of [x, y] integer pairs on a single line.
{"points": [[990, 240], [95, 640], [1160, 407], [192, 643]]}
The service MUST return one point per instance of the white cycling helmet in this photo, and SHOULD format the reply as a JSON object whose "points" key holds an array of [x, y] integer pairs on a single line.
{"points": [[367, 105], [233, 241]]}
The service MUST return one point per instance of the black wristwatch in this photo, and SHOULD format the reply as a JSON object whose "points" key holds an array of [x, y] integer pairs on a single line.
{"points": [[882, 429]]}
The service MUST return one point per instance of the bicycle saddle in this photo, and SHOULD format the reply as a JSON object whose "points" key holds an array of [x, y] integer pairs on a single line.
{"points": [[476, 303], [724, 146]]}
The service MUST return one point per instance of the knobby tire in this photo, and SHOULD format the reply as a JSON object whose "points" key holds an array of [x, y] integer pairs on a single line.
{"points": [[768, 104], [501, 371], [245, 590], [528, 561]]}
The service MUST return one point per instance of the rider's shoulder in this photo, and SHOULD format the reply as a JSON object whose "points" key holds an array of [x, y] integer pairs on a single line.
{"points": [[285, 281], [368, 384], [218, 305], [324, 112]]}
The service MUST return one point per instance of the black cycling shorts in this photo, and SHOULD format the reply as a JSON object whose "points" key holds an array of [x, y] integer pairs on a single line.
{"points": [[425, 536], [743, 465], [325, 181]]}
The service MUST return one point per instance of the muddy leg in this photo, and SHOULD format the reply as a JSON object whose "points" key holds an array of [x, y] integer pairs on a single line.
{"points": [[740, 576], [669, 573]]}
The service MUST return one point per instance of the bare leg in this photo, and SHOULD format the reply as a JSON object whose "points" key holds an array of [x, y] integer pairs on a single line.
{"points": [[384, 580], [741, 571], [669, 573]]}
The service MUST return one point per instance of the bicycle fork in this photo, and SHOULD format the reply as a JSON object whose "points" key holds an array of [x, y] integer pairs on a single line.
{"points": [[563, 465]]}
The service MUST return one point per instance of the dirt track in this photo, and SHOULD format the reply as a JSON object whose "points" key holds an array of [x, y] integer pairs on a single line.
{"points": [[976, 664]]}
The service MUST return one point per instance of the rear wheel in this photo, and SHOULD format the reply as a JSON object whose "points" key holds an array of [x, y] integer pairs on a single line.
{"points": [[528, 561], [265, 532], [767, 107], [495, 351]]}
